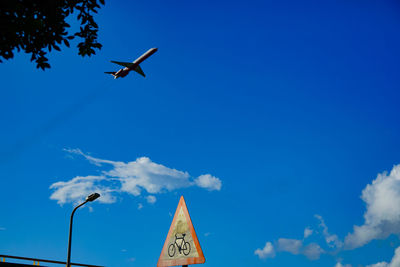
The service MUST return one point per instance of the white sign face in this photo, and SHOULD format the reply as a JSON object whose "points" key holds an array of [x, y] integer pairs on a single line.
{"points": [[180, 244]]}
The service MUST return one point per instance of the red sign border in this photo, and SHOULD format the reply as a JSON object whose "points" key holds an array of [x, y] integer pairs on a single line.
{"points": [[193, 260]]}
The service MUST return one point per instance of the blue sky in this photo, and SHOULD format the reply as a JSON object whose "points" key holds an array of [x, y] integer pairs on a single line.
{"points": [[277, 120]]}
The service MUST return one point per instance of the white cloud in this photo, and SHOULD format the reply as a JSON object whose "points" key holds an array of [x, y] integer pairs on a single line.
{"points": [[307, 232], [77, 189], [379, 264], [331, 240], [382, 216], [395, 262], [95, 161], [396, 258], [312, 251], [208, 182], [151, 199], [145, 174], [132, 178], [140, 206], [267, 252], [290, 245], [381, 219]]}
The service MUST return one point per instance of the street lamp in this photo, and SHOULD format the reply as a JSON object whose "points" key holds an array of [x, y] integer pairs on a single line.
{"points": [[89, 198]]}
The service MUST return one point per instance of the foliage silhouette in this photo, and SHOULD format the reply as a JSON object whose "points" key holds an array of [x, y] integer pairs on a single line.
{"points": [[37, 27]]}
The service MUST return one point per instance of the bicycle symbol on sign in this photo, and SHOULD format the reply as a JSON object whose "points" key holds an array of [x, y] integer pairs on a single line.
{"points": [[183, 246]]}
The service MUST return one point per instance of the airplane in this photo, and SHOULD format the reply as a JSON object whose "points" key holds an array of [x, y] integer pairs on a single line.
{"points": [[132, 66]]}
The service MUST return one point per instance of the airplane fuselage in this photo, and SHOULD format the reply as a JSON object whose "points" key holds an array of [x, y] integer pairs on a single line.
{"points": [[145, 56], [125, 71], [122, 73]]}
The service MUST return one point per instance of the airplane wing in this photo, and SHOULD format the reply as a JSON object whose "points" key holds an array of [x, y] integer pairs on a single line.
{"points": [[139, 70], [110, 72], [125, 64]]}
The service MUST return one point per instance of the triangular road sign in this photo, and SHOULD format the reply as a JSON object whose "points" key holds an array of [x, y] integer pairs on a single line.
{"points": [[181, 246]]}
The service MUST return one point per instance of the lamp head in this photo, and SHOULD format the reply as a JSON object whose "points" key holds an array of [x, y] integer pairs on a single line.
{"points": [[92, 197]]}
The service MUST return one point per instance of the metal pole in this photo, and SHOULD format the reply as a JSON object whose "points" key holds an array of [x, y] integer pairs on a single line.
{"points": [[70, 233]]}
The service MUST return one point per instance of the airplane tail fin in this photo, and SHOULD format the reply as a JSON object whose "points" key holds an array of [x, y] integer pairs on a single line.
{"points": [[112, 73], [139, 70]]}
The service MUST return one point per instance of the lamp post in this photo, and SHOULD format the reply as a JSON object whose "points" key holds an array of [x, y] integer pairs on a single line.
{"points": [[89, 198]]}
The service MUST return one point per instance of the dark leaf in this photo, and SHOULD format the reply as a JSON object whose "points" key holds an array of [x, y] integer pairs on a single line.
{"points": [[66, 42], [38, 27]]}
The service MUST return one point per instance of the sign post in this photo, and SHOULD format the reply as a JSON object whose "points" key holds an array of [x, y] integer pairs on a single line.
{"points": [[181, 246]]}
